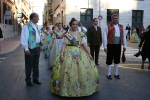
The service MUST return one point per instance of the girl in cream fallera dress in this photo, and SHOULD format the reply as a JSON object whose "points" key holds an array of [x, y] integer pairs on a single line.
{"points": [[56, 45], [74, 73]]}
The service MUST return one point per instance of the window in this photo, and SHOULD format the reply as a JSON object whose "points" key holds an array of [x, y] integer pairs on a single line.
{"points": [[137, 16], [86, 14], [110, 12]]}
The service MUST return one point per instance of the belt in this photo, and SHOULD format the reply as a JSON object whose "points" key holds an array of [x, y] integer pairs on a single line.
{"points": [[59, 38], [71, 45]]}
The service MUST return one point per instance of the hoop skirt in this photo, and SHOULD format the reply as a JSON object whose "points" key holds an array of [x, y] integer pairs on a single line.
{"points": [[77, 75]]}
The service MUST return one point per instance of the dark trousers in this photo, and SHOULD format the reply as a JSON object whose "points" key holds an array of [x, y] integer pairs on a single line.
{"points": [[128, 35], [95, 49], [113, 53], [31, 64]]}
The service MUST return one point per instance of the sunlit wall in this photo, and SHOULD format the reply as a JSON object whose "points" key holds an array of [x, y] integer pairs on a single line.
{"points": [[72, 9], [38, 7]]}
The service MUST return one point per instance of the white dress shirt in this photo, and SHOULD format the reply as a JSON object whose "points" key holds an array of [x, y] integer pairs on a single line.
{"points": [[25, 36], [80, 30], [50, 27], [117, 33], [95, 27]]}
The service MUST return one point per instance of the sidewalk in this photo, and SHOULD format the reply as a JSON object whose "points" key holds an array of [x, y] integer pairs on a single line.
{"points": [[9, 45]]}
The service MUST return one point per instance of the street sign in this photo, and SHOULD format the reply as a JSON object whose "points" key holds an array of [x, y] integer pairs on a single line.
{"points": [[8, 13], [100, 17], [19, 15], [7, 17]]}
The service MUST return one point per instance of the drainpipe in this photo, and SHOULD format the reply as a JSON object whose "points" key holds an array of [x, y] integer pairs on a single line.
{"points": [[88, 4], [99, 12]]}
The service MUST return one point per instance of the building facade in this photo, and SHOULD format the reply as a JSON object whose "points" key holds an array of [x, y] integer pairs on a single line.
{"points": [[132, 12], [47, 13], [12, 27]]}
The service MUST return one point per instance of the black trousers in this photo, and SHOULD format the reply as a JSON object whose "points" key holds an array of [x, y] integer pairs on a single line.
{"points": [[128, 35], [144, 58], [32, 64], [113, 53], [95, 49]]}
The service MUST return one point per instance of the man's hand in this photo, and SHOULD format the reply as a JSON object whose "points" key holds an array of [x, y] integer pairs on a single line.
{"points": [[105, 50], [62, 58], [139, 48], [41, 49], [100, 44], [27, 53], [124, 49]]}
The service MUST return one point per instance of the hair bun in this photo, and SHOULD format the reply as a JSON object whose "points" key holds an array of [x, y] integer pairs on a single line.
{"points": [[72, 20]]}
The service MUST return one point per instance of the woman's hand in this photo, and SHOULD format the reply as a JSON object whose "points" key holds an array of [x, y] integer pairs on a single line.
{"points": [[51, 46], [62, 57], [90, 57]]}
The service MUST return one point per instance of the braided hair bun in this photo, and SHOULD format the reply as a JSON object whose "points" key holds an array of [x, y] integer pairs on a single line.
{"points": [[71, 22]]}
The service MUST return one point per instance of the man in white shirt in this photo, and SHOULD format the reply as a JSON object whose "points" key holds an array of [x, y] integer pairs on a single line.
{"points": [[113, 38], [30, 41], [81, 28], [50, 26]]}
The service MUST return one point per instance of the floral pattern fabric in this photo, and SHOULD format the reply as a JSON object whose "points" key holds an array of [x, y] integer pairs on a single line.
{"points": [[77, 75], [56, 47], [32, 36], [46, 44]]}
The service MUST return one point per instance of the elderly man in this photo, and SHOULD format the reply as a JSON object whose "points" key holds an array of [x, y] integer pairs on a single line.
{"points": [[30, 40], [113, 38]]}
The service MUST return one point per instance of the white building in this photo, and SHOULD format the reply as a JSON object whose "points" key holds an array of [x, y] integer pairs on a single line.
{"points": [[133, 12]]}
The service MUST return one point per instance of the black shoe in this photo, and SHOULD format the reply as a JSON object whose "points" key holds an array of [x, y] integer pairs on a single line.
{"points": [[29, 84], [118, 77], [109, 77], [96, 63], [37, 82]]}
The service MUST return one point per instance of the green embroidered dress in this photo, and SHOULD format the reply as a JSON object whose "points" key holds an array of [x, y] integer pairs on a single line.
{"points": [[77, 75], [134, 38]]}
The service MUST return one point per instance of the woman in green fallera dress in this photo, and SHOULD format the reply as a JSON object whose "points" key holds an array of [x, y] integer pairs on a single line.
{"points": [[74, 73], [134, 38]]}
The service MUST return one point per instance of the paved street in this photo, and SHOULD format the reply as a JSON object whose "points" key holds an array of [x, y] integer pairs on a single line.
{"points": [[133, 85]]}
